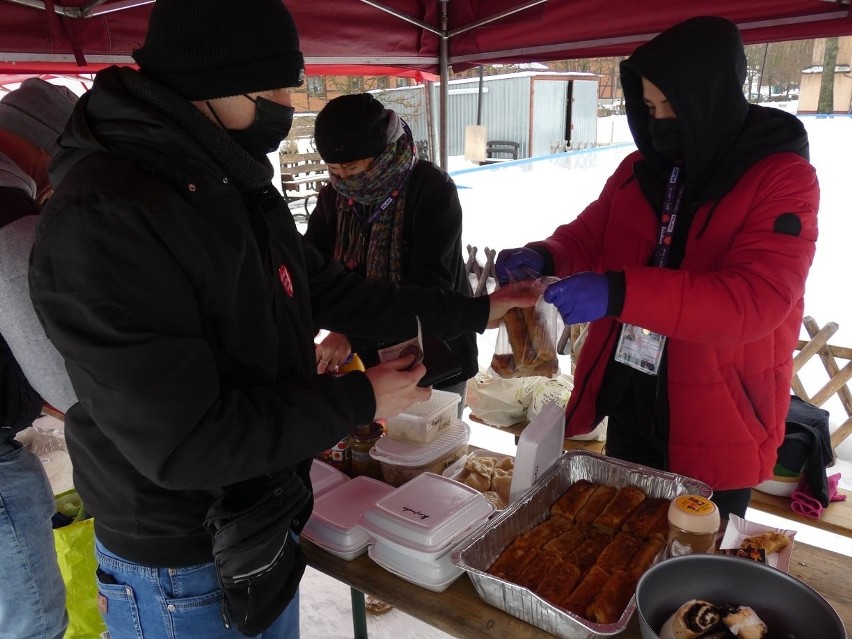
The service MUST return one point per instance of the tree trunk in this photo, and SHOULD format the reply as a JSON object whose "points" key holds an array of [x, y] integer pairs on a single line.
{"points": [[826, 89]]}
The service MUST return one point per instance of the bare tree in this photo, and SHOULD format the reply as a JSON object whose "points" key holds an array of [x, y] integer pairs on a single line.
{"points": [[826, 89]]}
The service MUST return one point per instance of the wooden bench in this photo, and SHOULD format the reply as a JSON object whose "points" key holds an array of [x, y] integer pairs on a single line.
{"points": [[302, 177], [837, 517]]}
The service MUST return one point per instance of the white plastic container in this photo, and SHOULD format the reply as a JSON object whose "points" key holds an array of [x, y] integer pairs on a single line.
{"points": [[334, 524], [402, 462], [539, 446], [415, 527], [325, 477], [422, 422]]}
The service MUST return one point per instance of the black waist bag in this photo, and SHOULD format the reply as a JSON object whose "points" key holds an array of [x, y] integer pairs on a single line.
{"points": [[258, 562]]}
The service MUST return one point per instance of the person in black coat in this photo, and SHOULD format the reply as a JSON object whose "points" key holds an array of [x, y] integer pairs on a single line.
{"points": [[387, 216]]}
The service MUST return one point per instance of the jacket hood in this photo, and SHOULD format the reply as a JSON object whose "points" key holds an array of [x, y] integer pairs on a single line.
{"points": [[700, 66], [130, 115]]}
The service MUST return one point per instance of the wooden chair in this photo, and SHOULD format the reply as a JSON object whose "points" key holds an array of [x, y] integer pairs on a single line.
{"points": [[302, 177]]}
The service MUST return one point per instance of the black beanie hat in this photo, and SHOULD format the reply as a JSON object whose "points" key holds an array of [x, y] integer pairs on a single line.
{"points": [[206, 49], [351, 127]]}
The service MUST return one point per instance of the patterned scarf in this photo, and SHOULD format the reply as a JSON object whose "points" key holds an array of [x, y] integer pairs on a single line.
{"points": [[371, 209]]}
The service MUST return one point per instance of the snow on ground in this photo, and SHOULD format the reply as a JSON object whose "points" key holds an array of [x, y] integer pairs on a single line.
{"points": [[518, 202]]}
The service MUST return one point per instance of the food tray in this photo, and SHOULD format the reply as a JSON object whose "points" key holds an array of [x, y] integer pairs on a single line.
{"points": [[477, 552]]}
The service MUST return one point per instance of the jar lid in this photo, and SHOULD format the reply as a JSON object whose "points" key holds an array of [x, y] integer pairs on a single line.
{"points": [[694, 513]]}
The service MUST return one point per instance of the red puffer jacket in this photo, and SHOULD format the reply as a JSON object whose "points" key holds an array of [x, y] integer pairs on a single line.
{"points": [[732, 311]]}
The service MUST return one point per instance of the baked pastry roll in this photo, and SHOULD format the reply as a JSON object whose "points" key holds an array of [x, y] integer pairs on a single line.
{"points": [[536, 569], [770, 541], [619, 552], [477, 481], [649, 519], [616, 512], [596, 503], [693, 619], [586, 554], [501, 483], [609, 604], [573, 499], [586, 591], [521, 551], [559, 582], [567, 542], [644, 557], [744, 623], [533, 348], [514, 559]]}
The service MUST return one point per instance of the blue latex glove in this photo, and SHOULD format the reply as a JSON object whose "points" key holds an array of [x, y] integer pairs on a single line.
{"points": [[514, 264], [583, 297]]}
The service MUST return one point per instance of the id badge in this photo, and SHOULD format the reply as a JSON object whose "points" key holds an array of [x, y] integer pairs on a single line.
{"points": [[640, 348]]}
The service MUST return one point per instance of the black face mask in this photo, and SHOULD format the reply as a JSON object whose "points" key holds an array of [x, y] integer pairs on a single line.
{"points": [[666, 138], [272, 122]]}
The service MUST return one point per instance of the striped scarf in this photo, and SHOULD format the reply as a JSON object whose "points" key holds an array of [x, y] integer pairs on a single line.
{"points": [[367, 233]]}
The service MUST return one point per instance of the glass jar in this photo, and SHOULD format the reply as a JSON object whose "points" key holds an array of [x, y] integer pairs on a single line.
{"points": [[693, 524], [361, 441]]}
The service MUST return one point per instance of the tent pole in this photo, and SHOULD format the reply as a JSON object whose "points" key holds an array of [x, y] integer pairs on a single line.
{"points": [[445, 88]]}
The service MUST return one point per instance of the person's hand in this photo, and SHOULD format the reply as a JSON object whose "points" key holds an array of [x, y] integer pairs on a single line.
{"points": [[395, 387], [518, 264], [515, 295], [332, 353], [583, 297]]}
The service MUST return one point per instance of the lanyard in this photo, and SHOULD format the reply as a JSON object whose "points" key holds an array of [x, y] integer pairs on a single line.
{"points": [[671, 206]]}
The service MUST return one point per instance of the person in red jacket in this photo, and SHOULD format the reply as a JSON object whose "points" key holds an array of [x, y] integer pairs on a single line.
{"points": [[691, 268]]}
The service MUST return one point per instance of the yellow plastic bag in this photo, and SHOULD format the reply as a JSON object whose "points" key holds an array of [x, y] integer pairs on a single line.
{"points": [[75, 551]]}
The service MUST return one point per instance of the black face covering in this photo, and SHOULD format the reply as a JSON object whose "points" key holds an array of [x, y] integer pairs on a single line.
{"points": [[272, 122], [665, 136]]}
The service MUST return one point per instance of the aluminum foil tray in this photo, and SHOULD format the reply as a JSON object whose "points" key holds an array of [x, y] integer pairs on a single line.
{"points": [[476, 553]]}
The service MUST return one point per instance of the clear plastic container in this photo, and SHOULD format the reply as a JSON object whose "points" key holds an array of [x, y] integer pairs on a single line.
{"points": [[402, 462], [422, 422]]}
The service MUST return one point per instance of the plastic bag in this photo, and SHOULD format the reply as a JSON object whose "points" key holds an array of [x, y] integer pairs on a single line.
{"points": [[526, 341], [75, 552], [496, 401]]}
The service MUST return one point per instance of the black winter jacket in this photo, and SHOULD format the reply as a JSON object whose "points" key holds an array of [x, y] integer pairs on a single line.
{"points": [[169, 273], [431, 252]]}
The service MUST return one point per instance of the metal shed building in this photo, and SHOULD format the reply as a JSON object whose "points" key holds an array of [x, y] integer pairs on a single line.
{"points": [[544, 112]]}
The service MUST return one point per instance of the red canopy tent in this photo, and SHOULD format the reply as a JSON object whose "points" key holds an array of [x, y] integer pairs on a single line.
{"points": [[58, 35], [408, 36]]}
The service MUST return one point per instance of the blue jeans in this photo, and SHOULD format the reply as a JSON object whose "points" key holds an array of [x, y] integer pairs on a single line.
{"points": [[138, 602], [32, 593]]}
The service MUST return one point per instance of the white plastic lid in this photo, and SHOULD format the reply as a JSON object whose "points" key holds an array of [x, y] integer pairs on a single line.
{"points": [[401, 454], [334, 521], [539, 446], [324, 477], [439, 401], [427, 513]]}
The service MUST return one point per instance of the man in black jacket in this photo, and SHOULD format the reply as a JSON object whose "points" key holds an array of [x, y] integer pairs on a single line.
{"points": [[169, 273]]}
